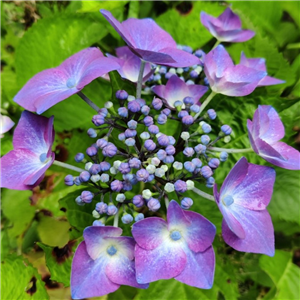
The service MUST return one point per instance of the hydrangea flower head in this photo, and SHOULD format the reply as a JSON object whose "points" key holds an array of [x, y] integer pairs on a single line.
{"points": [[178, 248], [103, 262], [151, 43], [243, 198], [130, 64], [51, 86], [228, 79], [227, 27], [5, 124], [177, 89], [265, 131], [259, 64], [24, 167]]}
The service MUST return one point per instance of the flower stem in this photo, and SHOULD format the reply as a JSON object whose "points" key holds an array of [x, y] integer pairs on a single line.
{"points": [[67, 166], [204, 195], [205, 103], [230, 150], [167, 201], [140, 80], [116, 219], [88, 101], [216, 44]]}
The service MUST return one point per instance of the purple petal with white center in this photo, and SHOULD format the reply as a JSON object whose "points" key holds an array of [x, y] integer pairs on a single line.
{"points": [[51, 86], [200, 234], [150, 233], [5, 124], [124, 244], [88, 278], [164, 262], [94, 238], [176, 217], [260, 232], [122, 271], [199, 269]]}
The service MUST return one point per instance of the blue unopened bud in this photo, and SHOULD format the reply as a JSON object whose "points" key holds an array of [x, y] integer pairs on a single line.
{"points": [[121, 136], [162, 119], [182, 114], [92, 133], [172, 141], [79, 201], [132, 124], [79, 157], [214, 163], [142, 175], [87, 196], [205, 81], [153, 204], [134, 106], [157, 103], [223, 156], [206, 128], [116, 185], [126, 219], [111, 209], [145, 110], [139, 217], [206, 171], [105, 166], [161, 154], [103, 112], [170, 150], [145, 135], [130, 133], [91, 151], [163, 140], [166, 111], [178, 105], [180, 186], [148, 121], [120, 198], [186, 203], [98, 120], [189, 166], [101, 208], [200, 149], [153, 129], [84, 176], [104, 178], [121, 95], [138, 201], [210, 182], [69, 180], [187, 49], [130, 142], [134, 163], [168, 75], [194, 74], [110, 150], [197, 162], [98, 223], [123, 112], [95, 169], [195, 108], [124, 168], [226, 129], [149, 145], [188, 120], [212, 114], [101, 143], [205, 139], [188, 151], [188, 101], [77, 181], [157, 77], [199, 53]]}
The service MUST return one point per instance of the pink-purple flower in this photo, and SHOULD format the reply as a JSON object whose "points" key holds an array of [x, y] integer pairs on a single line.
{"points": [[179, 248], [130, 64], [259, 64], [24, 167], [102, 263], [227, 27], [228, 79], [177, 89], [243, 198], [51, 86], [5, 124], [150, 42], [265, 132]]}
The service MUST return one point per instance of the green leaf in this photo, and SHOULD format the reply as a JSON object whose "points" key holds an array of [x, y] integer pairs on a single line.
{"points": [[186, 29], [284, 274], [21, 280], [59, 261], [173, 289], [95, 6]]}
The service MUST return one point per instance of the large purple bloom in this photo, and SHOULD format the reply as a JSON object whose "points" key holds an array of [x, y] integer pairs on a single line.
{"points": [[103, 262], [259, 64], [228, 79], [5, 124], [177, 89], [51, 86], [227, 27], [24, 167], [265, 131], [179, 247], [151, 43], [243, 198], [130, 64]]}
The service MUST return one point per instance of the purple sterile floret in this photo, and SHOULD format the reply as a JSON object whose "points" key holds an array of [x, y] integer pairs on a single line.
{"points": [[24, 167], [176, 89], [130, 66], [51, 86], [259, 64], [228, 79], [103, 262], [227, 27], [178, 248], [265, 131], [151, 43], [243, 198]]}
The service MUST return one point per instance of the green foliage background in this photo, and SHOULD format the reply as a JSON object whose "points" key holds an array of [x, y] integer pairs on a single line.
{"points": [[40, 230]]}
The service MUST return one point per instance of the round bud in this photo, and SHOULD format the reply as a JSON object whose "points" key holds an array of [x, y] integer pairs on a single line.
{"points": [[69, 180], [186, 203], [126, 219], [153, 204], [116, 185]]}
